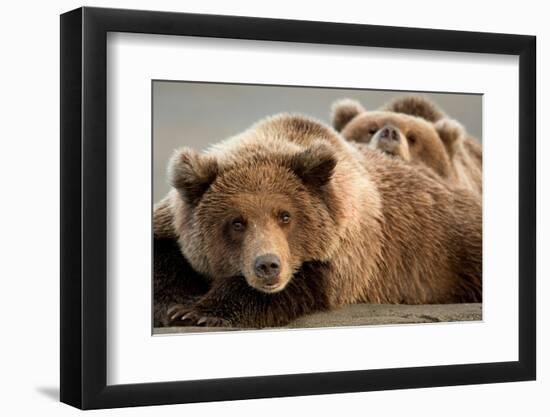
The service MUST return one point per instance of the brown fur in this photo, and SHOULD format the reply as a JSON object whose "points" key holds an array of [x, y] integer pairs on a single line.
{"points": [[418, 106], [363, 228], [427, 137], [174, 280]]}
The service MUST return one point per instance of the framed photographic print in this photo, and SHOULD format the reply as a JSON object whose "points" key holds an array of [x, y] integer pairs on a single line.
{"points": [[257, 208]]}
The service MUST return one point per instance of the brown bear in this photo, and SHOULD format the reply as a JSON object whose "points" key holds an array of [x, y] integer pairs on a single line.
{"points": [[415, 130], [289, 218], [467, 152]]}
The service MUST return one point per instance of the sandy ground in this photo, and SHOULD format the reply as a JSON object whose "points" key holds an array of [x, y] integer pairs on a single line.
{"points": [[368, 314]]}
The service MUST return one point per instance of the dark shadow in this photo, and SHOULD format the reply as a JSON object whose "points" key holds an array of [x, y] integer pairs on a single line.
{"points": [[50, 392]]}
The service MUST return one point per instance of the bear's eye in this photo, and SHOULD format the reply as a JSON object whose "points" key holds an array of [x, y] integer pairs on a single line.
{"points": [[284, 217], [238, 224], [411, 138]]}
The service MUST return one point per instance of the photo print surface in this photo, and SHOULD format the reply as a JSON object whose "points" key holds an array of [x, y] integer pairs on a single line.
{"points": [[305, 207]]}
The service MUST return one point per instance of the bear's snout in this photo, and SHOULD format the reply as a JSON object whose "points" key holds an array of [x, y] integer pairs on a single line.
{"points": [[266, 261], [267, 268], [390, 133], [388, 140]]}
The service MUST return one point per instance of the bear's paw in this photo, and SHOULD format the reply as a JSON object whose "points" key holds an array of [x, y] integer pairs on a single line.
{"points": [[186, 315]]}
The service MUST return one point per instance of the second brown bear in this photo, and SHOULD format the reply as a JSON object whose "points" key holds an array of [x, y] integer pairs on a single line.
{"points": [[415, 130]]}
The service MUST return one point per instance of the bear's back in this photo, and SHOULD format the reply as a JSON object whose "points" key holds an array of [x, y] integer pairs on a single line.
{"points": [[426, 237]]}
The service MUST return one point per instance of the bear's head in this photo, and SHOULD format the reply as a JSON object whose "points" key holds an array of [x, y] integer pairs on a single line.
{"points": [[424, 136], [260, 216]]}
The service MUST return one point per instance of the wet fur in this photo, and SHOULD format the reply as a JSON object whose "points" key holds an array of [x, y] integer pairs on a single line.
{"points": [[174, 280], [232, 302]]}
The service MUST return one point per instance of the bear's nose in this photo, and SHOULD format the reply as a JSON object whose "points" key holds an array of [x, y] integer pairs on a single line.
{"points": [[267, 266], [389, 133]]}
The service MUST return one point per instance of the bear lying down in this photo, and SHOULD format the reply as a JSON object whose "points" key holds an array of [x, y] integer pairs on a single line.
{"points": [[288, 218], [415, 130]]}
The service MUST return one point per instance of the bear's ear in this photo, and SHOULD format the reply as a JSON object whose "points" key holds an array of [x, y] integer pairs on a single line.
{"points": [[343, 111], [416, 106], [450, 131], [314, 165], [191, 174]]}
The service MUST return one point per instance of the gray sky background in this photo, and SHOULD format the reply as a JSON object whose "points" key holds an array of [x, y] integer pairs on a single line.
{"points": [[200, 114]]}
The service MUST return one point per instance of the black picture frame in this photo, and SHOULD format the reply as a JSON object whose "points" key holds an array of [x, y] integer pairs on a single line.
{"points": [[83, 207]]}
